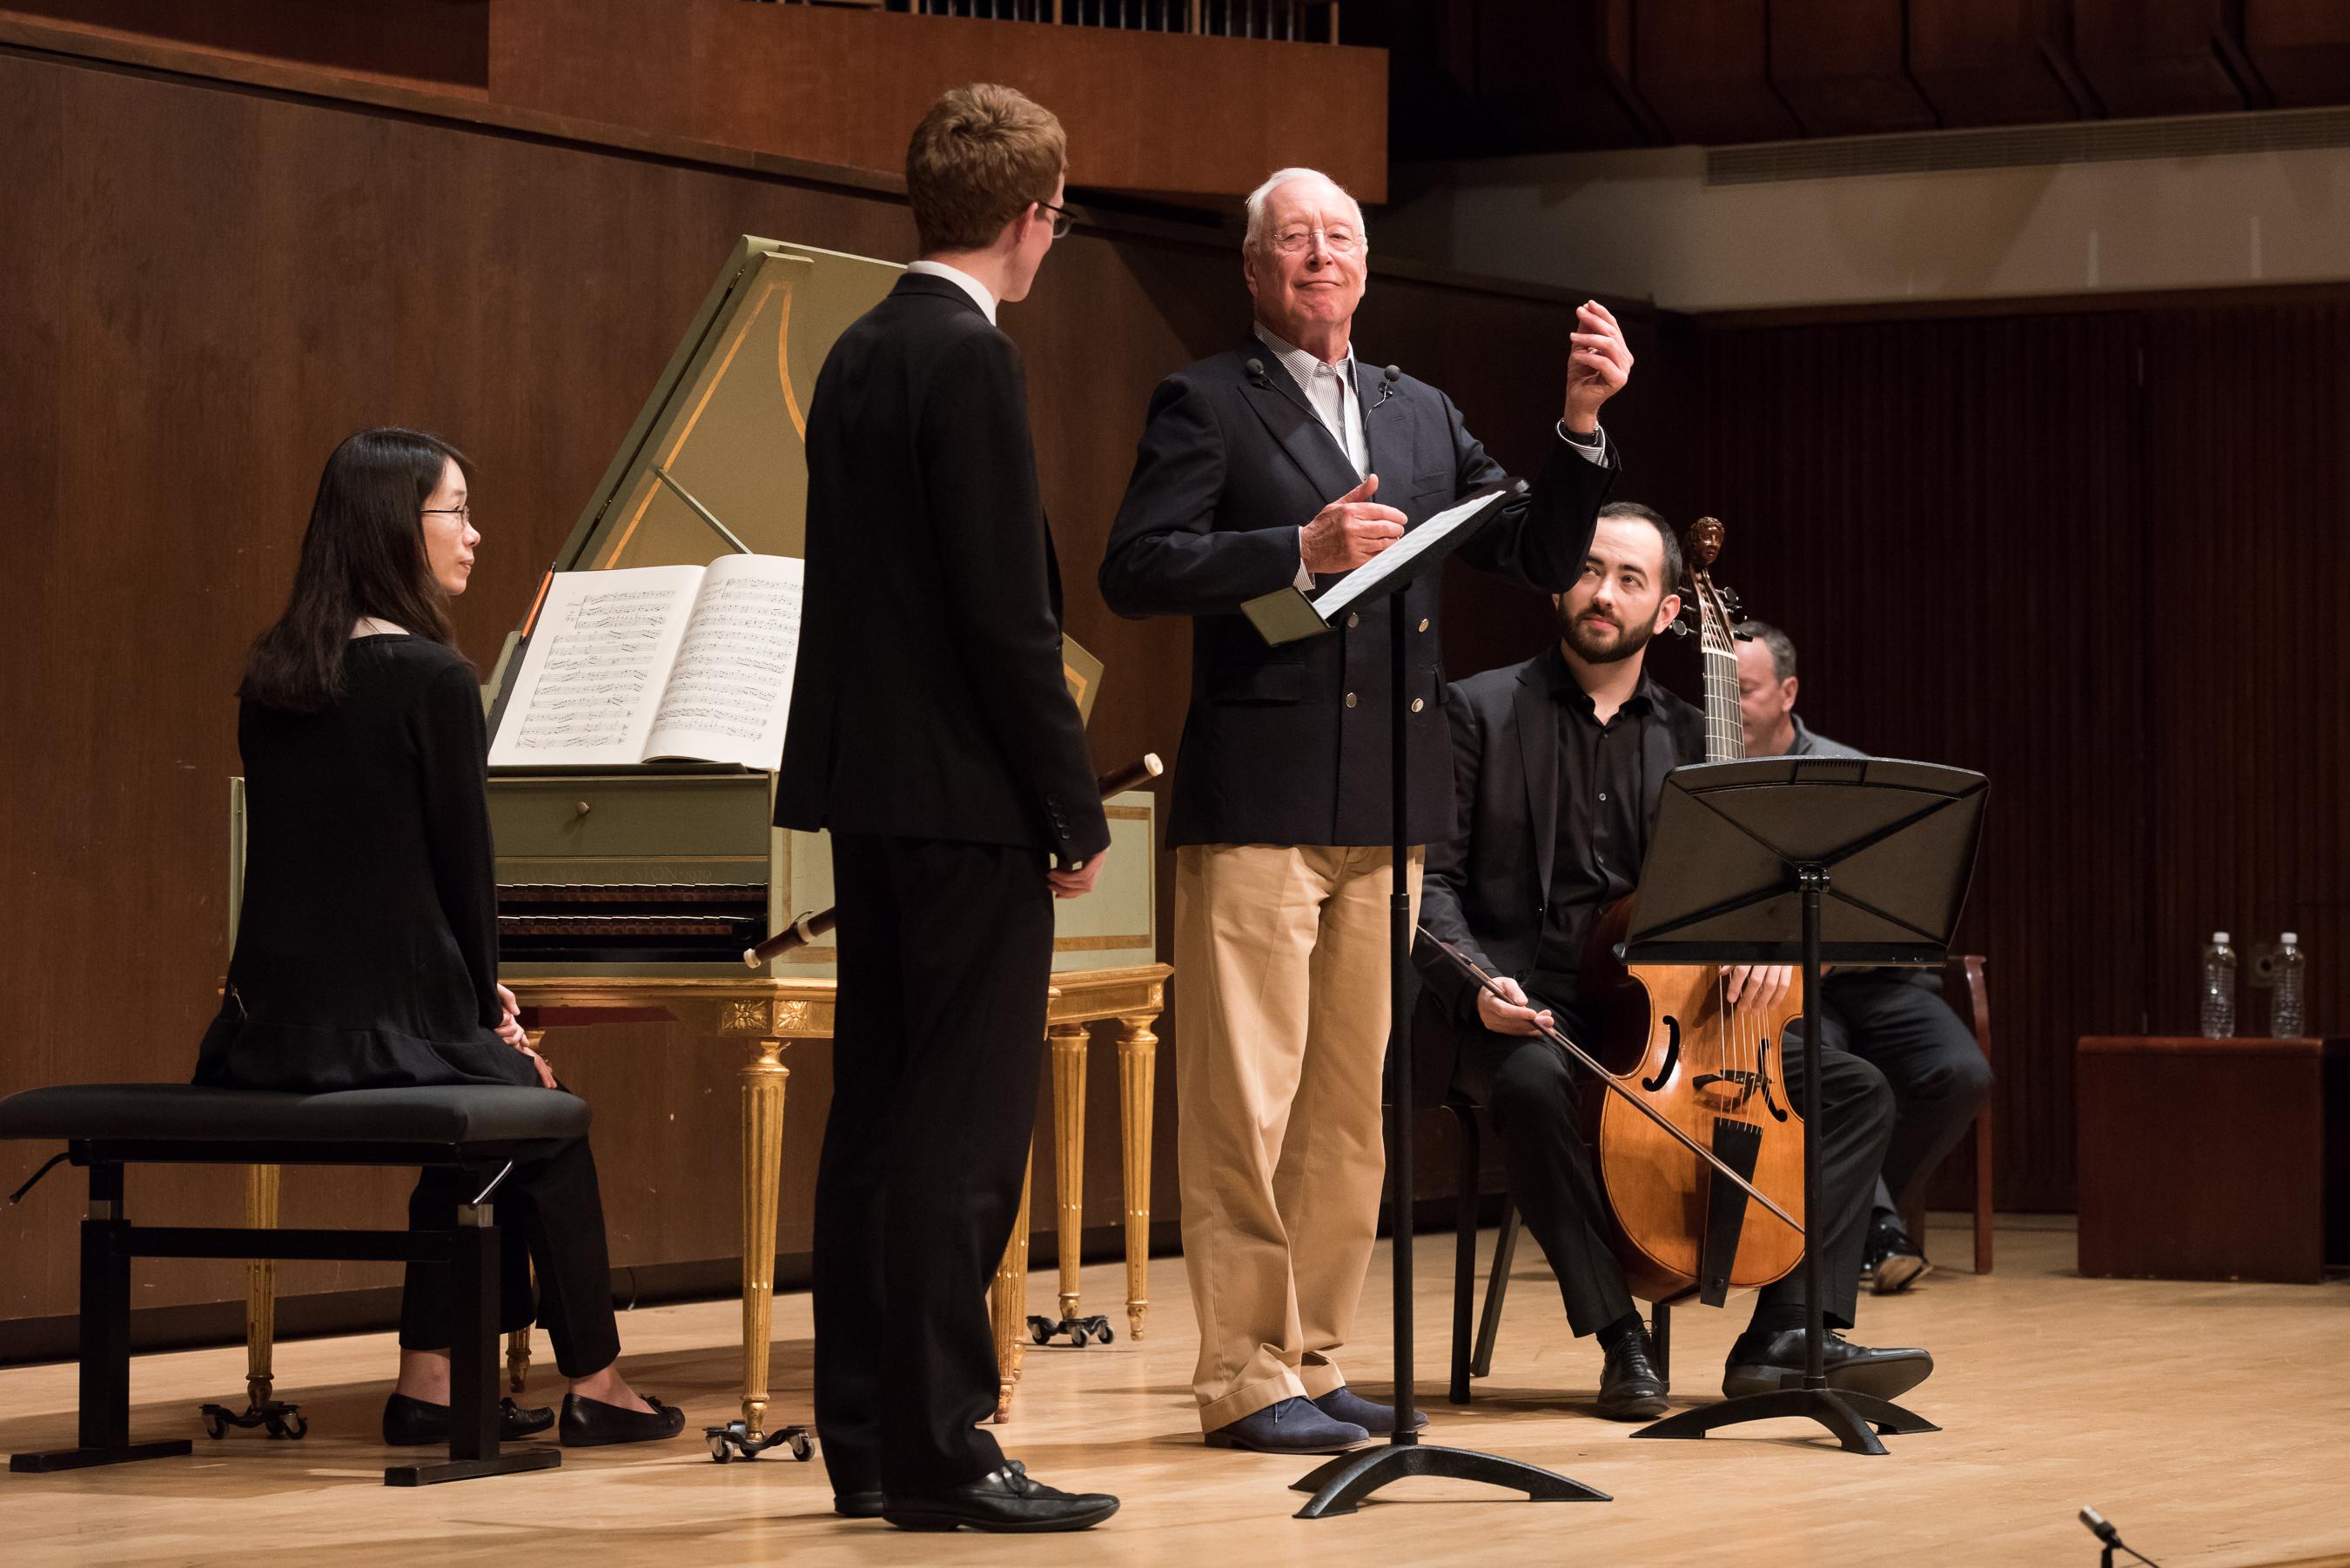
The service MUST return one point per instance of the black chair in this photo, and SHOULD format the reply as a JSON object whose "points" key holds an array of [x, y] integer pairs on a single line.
{"points": [[109, 1126]]}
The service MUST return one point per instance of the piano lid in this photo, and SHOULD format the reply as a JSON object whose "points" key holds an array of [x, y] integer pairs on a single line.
{"points": [[717, 462]]}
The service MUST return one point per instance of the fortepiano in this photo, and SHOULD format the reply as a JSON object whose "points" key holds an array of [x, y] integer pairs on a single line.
{"points": [[628, 895]]}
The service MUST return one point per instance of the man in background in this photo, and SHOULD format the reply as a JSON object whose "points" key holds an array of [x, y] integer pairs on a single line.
{"points": [[1892, 1017]]}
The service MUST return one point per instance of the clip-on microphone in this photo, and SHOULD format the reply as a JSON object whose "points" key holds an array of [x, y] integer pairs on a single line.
{"points": [[1391, 375], [1255, 368]]}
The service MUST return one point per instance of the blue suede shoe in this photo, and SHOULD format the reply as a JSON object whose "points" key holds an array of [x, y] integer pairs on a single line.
{"points": [[1341, 1404], [1294, 1426]]}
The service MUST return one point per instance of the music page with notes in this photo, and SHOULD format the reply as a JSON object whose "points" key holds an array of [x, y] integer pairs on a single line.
{"points": [[656, 664]]}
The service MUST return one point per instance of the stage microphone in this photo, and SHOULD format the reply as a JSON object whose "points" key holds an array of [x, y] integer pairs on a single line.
{"points": [[2099, 1528]]}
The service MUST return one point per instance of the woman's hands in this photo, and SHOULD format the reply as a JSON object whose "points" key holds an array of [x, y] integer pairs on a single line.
{"points": [[511, 1031]]}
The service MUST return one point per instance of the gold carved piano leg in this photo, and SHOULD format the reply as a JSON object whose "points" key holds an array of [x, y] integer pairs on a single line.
{"points": [[1009, 1301], [1138, 1052], [1069, 1042], [518, 1342], [260, 1292], [762, 1180]]}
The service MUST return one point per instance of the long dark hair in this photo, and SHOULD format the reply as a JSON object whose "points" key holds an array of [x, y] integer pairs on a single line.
{"points": [[363, 555]]}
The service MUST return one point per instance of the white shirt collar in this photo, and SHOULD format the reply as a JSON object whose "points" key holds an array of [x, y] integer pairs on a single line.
{"points": [[1301, 364], [970, 284]]}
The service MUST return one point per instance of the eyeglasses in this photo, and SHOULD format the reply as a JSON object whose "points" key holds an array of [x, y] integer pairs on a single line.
{"points": [[1062, 222], [461, 513], [1341, 241]]}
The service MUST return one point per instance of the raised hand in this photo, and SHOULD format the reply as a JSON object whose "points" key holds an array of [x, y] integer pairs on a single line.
{"points": [[1349, 531], [1597, 366]]}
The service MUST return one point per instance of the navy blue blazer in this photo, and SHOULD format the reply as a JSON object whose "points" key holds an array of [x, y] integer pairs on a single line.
{"points": [[1290, 744]]}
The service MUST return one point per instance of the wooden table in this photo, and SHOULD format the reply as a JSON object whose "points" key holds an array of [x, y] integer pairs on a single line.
{"points": [[2213, 1159]]}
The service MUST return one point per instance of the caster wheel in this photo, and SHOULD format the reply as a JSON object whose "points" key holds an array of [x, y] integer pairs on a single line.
{"points": [[1077, 1340], [1104, 1333], [1041, 1335], [292, 1427], [719, 1451], [215, 1427], [803, 1447]]}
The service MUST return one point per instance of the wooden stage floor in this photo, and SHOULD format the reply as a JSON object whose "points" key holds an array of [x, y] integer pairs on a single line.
{"points": [[2211, 1422]]}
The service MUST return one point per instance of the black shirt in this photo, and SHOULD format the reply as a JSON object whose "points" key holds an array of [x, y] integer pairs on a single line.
{"points": [[366, 947], [1603, 833]]}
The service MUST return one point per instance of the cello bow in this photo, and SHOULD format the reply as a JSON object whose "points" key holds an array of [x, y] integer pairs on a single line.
{"points": [[1486, 982]]}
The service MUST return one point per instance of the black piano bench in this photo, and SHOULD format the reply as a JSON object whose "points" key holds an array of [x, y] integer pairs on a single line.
{"points": [[105, 1126]]}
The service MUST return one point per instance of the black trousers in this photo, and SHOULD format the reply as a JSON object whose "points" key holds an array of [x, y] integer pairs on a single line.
{"points": [[1528, 1087], [946, 950], [1898, 1023], [550, 1213]]}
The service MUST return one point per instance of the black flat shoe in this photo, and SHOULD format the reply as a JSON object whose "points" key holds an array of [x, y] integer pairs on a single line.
{"points": [[1630, 1388], [857, 1504], [1767, 1363], [592, 1424], [413, 1424], [1892, 1261], [1003, 1500]]}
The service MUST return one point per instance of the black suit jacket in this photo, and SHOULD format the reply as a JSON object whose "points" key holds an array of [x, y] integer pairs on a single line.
{"points": [[1290, 745], [1487, 889], [929, 701]]}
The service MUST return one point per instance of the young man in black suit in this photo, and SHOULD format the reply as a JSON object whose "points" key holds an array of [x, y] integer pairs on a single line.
{"points": [[1282, 460], [1560, 763], [932, 734]]}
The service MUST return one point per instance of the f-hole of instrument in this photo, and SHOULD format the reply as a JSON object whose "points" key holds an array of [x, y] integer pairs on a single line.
{"points": [[1672, 1056]]}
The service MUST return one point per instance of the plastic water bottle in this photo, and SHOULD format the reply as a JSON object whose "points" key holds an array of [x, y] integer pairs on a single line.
{"points": [[2219, 988], [2284, 994]]}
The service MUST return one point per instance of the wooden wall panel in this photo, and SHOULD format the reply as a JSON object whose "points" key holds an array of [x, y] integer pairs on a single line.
{"points": [[846, 88], [210, 286], [2249, 755], [443, 45], [2300, 47], [2161, 57], [2095, 555], [1944, 517], [1992, 62], [1842, 66], [1704, 67]]}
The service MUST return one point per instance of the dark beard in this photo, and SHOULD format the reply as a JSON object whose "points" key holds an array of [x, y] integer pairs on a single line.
{"points": [[1578, 636]]}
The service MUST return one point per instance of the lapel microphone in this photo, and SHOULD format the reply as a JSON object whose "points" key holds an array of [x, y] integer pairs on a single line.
{"points": [[1255, 368], [1389, 377]]}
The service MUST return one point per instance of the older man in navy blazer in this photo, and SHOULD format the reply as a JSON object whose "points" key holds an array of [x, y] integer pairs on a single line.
{"points": [[1282, 461]]}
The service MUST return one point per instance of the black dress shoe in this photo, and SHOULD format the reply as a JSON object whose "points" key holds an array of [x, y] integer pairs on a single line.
{"points": [[1892, 1261], [857, 1504], [1767, 1363], [1631, 1388], [592, 1424], [1002, 1499], [413, 1424]]}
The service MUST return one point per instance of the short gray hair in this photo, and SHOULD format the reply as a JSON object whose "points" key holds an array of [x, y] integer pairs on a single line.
{"points": [[1256, 239], [1781, 647]]}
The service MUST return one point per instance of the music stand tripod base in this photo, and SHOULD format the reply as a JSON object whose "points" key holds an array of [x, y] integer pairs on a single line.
{"points": [[1848, 1417], [1346, 1480]]}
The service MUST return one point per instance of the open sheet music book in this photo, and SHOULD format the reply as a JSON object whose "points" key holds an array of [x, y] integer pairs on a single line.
{"points": [[656, 664]]}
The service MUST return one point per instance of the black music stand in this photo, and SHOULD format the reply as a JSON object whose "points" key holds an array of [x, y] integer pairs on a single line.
{"points": [[1807, 860], [1287, 615]]}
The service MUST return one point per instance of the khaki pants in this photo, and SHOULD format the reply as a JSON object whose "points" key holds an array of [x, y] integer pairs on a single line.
{"points": [[1281, 967]]}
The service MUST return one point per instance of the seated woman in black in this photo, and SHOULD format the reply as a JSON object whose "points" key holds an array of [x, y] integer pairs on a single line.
{"points": [[366, 947]]}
